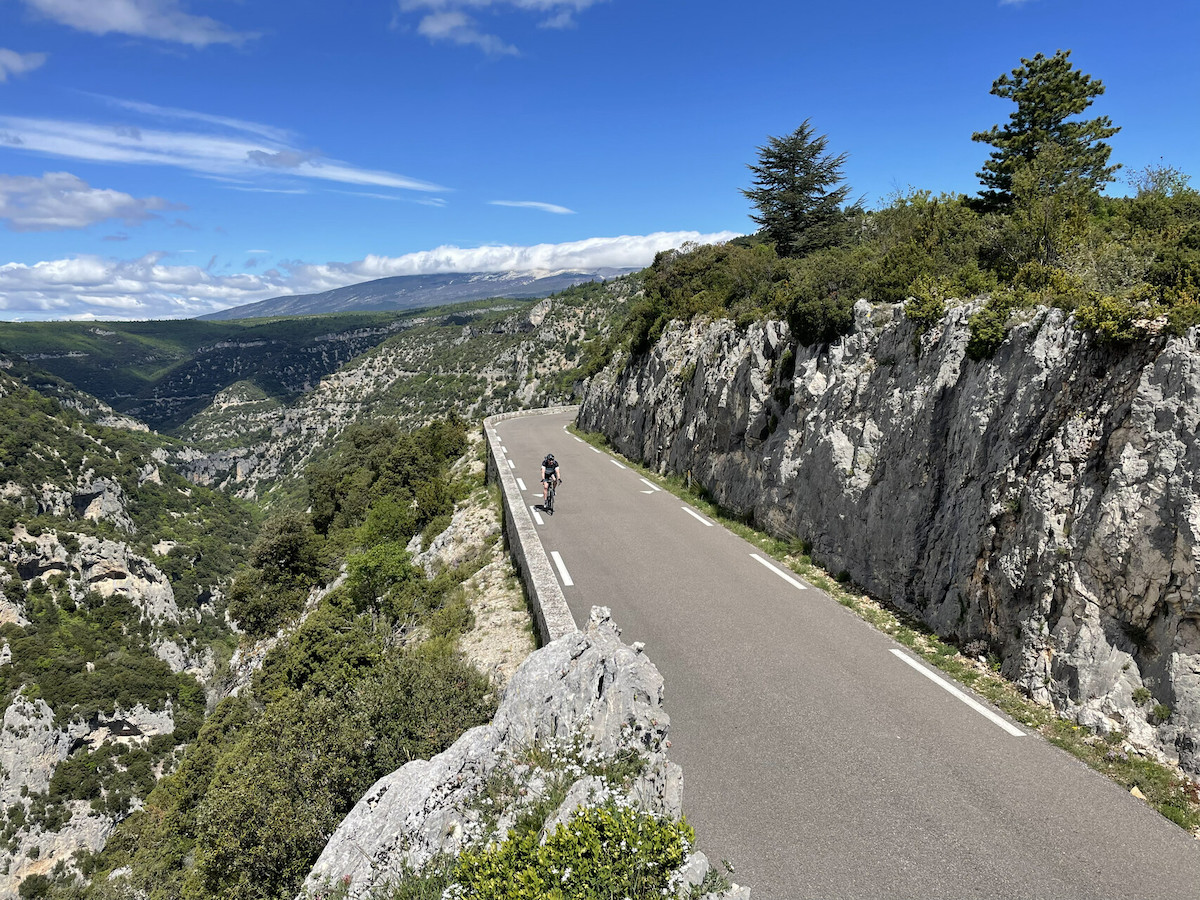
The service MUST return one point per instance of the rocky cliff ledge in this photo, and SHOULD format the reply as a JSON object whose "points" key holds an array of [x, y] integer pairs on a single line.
{"points": [[574, 709], [1041, 504]]}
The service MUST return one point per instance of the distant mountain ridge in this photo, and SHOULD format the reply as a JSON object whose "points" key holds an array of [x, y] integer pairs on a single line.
{"points": [[407, 292]]}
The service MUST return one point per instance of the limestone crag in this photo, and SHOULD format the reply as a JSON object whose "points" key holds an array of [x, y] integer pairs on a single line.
{"points": [[1044, 504], [32, 745], [586, 691]]}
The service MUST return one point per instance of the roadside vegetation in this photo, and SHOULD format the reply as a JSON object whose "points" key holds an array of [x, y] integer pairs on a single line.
{"points": [[1174, 795], [1040, 232]]}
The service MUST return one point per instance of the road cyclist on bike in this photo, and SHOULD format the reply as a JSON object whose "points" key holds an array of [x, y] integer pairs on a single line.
{"points": [[551, 478]]}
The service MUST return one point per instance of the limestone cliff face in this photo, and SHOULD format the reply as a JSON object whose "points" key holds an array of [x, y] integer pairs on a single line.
{"points": [[1044, 501]]}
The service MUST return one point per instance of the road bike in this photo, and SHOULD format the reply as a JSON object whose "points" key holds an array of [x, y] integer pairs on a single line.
{"points": [[551, 486]]}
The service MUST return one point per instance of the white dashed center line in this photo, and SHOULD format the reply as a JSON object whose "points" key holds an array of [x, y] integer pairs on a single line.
{"points": [[695, 515], [562, 568], [778, 571], [970, 701]]}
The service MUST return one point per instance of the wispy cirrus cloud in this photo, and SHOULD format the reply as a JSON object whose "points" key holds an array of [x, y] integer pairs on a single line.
{"points": [[534, 204], [162, 20], [59, 201], [227, 148], [92, 287], [457, 21], [14, 63]]}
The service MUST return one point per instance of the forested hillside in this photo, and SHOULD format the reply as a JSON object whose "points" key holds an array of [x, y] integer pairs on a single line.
{"points": [[164, 372]]}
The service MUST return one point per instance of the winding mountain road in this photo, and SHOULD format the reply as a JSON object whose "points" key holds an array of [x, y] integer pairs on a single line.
{"points": [[820, 757]]}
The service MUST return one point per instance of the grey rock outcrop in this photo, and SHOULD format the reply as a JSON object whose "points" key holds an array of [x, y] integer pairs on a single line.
{"points": [[587, 691], [1045, 502]]}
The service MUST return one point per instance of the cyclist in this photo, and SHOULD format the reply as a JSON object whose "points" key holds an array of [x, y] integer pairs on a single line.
{"points": [[551, 470]]}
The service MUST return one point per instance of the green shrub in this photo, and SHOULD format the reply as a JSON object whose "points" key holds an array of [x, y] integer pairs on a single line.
{"points": [[988, 326], [601, 853], [1141, 696]]}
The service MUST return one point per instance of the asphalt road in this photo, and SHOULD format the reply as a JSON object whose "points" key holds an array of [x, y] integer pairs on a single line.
{"points": [[816, 759]]}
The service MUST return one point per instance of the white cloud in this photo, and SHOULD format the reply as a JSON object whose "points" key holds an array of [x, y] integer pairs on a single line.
{"points": [[238, 153], [459, 28], [448, 20], [60, 200], [144, 288], [14, 63], [162, 20], [534, 204]]}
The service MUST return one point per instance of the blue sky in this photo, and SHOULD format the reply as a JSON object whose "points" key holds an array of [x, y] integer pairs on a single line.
{"points": [[170, 157]]}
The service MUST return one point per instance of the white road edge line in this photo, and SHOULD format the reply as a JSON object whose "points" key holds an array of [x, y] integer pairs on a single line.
{"points": [[617, 464], [504, 450], [536, 517], [521, 485], [511, 464], [595, 450], [650, 484], [782, 574], [578, 440], [970, 701], [562, 569], [695, 515]]}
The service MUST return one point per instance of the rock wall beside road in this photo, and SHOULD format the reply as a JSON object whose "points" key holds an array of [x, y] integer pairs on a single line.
{"points": [[1043, 505]]}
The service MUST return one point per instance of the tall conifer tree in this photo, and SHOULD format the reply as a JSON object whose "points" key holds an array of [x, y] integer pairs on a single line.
{"points": [[1048, 92], [798, 192]]}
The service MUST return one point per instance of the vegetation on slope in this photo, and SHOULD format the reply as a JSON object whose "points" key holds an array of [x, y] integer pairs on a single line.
{"points": [[1040, 233], [368, 678], [164, 372]]}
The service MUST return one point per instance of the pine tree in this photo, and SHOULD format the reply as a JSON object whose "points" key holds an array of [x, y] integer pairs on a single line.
{"points": [[1048, 91], [797, 192]]}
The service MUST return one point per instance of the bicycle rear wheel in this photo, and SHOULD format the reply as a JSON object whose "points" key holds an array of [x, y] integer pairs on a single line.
{"points": [[550, 499]]}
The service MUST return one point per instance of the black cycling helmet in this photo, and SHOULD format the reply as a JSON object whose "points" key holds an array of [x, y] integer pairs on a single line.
{"points": [[549, 456]]}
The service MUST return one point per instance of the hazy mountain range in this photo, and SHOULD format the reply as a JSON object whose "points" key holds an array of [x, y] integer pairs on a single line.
{"points": [[405, 292]]}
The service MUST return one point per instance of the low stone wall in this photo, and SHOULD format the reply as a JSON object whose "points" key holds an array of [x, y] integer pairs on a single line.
{"points": [[554, 618]]}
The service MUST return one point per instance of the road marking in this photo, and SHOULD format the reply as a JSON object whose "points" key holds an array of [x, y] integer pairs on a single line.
{"points": [[970, 701], [617, 464], [778, 571], [511, 464], [536, 517], [578, 440], [562, 569], [521, 485], [695, 515], [651, 485], [595, 450], [504, 450], [647, 493]]}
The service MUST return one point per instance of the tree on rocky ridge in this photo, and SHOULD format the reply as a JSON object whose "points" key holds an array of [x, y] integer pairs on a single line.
{"points": [[798, 192], [1048, 92]]}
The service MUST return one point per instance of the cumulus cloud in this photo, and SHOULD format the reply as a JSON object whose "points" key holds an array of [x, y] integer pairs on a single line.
{"points": [[533, 204], [14, 63], [449, 20], [231, 149], [161, 20], [144, 288], [59, 200]]}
